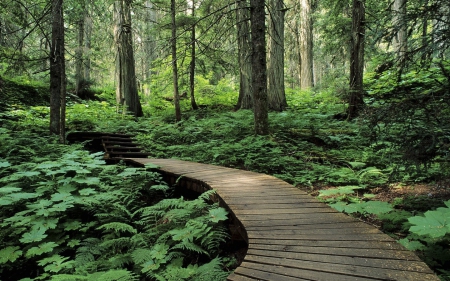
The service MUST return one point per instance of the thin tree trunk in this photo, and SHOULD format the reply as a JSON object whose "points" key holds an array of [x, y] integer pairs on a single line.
{"points": [[176, 94], [87, 45], [259, 66], [79, 77], [192, 65], [356, 101], [57, 72], [275, 59], [245, 100], [126, 87], [306, 46], [401, 38]]}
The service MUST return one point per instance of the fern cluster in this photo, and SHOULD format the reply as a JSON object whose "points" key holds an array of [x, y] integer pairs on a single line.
{"points": [[75, 218]]}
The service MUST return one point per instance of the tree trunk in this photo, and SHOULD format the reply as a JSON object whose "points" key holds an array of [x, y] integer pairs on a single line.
{"points": [[87, 45], [192, 65], [401, 36], [306, 46], [57, 72], [275, 60], [245, 100], [149, 47], [356, 101], [259, 74], [79, 75], [126, 87], [176, 94]]}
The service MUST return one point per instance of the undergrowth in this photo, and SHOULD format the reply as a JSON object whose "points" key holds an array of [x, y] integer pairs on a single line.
{"points": [[65, 215]]}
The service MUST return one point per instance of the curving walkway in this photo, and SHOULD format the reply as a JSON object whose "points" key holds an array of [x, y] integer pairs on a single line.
{"points": [[292, 236]]}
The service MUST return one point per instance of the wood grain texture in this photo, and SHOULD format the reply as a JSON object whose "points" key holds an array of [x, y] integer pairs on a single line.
{"points": [[292, 236]]}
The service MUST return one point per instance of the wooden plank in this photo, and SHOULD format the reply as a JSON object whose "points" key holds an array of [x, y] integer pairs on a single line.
{"points": [[276, 200], [258, 275], [336, 251], [319, 236], [257, 205], [315, 221], [409, 265], [348, 271], [282, 244], [330, 225], [317, 231], [326, 216], [281, 210], [315, 274]]}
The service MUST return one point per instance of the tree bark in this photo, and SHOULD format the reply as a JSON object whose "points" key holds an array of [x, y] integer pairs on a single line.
{"points": [[245, 100], [79, 75], [57, 72], [356, 101], [306, 46], [192, 65], [126, 87], [400, 41], [87, 45], [259, 75], [176, 94], [275, 60]]}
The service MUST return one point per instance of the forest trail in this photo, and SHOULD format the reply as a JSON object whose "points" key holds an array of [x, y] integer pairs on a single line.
{"points": [[292, 236]]}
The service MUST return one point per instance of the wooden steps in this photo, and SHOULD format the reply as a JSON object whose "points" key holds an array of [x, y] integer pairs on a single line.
{"points": [[292, 236], [115, 146]]}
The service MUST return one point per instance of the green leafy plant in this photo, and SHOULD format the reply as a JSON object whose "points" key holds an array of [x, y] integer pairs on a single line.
{"points": [[74, 218]]}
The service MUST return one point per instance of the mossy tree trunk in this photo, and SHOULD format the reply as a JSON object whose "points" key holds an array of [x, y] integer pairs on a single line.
{"points": [[57, 72], [176, 94], [126, 84], [356, 101], [259, 66], [245, 100], [275, 59]]}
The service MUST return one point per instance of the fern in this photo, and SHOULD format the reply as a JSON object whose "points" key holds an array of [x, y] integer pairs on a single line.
{"points": [[118, 227]]}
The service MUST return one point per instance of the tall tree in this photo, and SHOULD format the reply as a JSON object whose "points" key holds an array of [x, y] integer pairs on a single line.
{"points": [[79, 74], [88, 25], [259, 66], [176, 94], [245, 100], [192, 65], [126, 84], [306, 45], [356, 100], [57, 72], [275, 59], [401, 35]]}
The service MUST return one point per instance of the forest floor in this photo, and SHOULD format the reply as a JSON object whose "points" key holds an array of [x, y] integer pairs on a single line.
{"points": [[424, 194], [437, 191]]}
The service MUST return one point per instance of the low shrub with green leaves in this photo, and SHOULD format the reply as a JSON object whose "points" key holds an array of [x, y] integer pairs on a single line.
{"points": [[71, 217]]}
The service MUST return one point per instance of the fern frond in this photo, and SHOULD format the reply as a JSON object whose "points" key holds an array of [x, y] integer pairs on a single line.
{"points": [[68, 277], [141, 256], [113, 275], [120, 261], [118, 227], [206, 196], [189, 246], [212, 240], [211, 271], [116, 244]]}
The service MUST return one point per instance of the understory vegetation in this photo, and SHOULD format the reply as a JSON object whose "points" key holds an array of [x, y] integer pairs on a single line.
{"points": [[68, 216]]}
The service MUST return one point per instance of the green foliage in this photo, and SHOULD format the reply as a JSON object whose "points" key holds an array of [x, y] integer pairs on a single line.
{"points": [[68, 216], [435, 224]]}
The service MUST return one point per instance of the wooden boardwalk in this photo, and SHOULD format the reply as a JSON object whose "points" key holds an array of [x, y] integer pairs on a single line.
{"points": [[292, 236]]}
